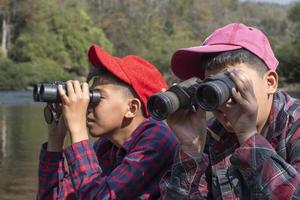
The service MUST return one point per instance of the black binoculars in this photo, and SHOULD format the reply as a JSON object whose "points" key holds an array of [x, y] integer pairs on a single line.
{"points": [[209, 94], [48, 92]]}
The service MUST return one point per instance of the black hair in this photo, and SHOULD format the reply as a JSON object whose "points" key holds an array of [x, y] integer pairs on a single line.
{"points": [[220, 60]]}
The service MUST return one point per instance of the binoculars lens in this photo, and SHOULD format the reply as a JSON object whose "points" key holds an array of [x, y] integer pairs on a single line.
{"points": [[207, 97], [161, 104], [36, 92], [49, 92], [212, 95]]}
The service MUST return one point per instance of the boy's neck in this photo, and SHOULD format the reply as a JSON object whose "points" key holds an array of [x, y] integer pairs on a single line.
{"points": [[262, 126], [122, 135]]}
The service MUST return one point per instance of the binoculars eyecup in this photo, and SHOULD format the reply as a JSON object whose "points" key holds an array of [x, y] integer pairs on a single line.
{"points": [[162, 104]]}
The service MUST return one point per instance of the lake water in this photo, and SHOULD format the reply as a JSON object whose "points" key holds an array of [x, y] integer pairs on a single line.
{"points": [[22, 131]]}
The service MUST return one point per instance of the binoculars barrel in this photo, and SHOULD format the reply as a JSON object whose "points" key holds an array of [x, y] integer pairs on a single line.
{"points": [[48, 92], [209, 95]]}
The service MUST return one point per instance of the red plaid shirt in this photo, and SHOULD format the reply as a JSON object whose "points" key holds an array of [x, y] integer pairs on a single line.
{"points": [[108, 172], [266, 166]]}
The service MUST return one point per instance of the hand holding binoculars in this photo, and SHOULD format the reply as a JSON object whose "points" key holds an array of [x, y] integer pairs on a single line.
{"points": [[48, 92]]}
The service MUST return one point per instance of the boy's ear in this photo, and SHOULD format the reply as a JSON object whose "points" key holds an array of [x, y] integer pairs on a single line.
{"points": [[271, 78], [134, 106]]}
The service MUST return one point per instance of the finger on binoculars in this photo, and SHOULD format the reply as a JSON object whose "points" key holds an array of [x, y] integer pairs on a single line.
{"points": [[63, 96], [244, 84], [236, 96], [77, 87], [70, 89], [85, 88]]}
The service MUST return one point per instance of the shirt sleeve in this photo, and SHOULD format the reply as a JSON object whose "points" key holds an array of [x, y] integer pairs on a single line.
{"points": [[187, 178], [265, 171], [131, 178], [53, 181]]}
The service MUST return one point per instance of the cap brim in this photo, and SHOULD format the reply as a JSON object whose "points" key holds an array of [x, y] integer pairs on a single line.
{"points": [[185, 62], [100, 58]]}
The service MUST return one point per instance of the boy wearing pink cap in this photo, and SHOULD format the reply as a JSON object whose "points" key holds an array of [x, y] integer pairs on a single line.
{"points": [[250, 149], [133, 151]]}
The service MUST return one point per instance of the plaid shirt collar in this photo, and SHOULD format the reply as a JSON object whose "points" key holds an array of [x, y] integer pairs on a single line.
{"points": [[107, 145], [281, 104]]}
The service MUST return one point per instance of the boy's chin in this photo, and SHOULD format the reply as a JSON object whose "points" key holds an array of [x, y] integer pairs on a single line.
{"points": [[96, 134], [93, 133]]}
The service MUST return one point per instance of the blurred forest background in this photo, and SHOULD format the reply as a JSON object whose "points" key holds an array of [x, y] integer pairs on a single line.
{"points": [[47, 40]]}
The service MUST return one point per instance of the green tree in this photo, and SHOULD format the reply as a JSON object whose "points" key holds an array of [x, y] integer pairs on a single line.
{"points": [[289, 53], [53, 36], [59, 31]]}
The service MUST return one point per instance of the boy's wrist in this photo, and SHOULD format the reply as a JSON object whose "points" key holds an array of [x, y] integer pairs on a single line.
{"points": [[79, 135], [55, 143]]}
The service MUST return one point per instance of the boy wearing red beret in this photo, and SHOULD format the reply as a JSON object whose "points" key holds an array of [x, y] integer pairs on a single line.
{"points": [[133, 151]]}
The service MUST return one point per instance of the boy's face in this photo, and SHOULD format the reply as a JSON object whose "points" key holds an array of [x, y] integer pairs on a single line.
{"points": [[107, 117], [260, 85]]}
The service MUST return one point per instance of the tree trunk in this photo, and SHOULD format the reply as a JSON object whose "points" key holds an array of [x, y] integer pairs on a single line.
{"points": [[4, 38]]}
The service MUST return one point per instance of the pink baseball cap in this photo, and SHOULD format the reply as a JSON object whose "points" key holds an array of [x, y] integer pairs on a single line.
{"points": [[186, 62]]}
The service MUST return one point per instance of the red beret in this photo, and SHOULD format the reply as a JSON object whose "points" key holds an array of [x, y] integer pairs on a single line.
{"points": [[141, 75]]}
